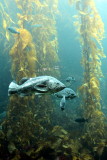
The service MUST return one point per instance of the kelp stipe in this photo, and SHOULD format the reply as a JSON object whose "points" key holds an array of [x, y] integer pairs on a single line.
{"points": [[46, 36], [26, 117], [91, 35], [6, 20], [20, 131], [20, 112]]}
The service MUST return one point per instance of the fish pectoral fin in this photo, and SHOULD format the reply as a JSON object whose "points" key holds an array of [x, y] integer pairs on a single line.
{"points": [[24, 94], [41, 87], [62, 103], [39, 94], [23, 80]]}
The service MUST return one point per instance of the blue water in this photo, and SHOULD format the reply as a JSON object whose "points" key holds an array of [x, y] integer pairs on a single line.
{"points": [[69, 51], [70, 55]]}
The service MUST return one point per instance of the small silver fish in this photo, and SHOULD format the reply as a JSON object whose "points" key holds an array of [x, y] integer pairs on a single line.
{"points": [[81, 120], [70, 79], [13, 30]]}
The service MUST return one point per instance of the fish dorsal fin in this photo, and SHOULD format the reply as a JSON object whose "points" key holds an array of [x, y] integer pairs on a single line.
{"points": [[23, 80]]}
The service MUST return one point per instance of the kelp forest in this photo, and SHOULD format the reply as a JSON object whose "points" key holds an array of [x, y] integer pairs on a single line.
{"points": [[34, 127]]}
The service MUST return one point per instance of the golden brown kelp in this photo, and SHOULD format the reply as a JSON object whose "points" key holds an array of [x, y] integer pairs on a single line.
{"points": [[20, 114], [6, 20], [20, 123], [91, 30], [23, 53], [46, 36], [27, 120]]}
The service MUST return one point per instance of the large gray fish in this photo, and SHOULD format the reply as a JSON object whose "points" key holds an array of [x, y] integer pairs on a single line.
{"points": [[66, 93], [37, 85]]}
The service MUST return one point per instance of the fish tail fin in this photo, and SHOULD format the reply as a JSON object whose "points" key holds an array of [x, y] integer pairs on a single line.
{"points": [[12, 88]]}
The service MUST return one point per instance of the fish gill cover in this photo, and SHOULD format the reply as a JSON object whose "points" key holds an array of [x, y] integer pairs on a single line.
{"points": [[33, 127]]}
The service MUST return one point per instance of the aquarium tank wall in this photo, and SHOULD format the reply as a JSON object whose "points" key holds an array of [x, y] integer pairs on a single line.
{"points": [[53, 69]]}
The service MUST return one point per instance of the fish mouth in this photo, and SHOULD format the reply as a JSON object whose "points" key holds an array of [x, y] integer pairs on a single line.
{"points": [[63, 86], [74, 96]]}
